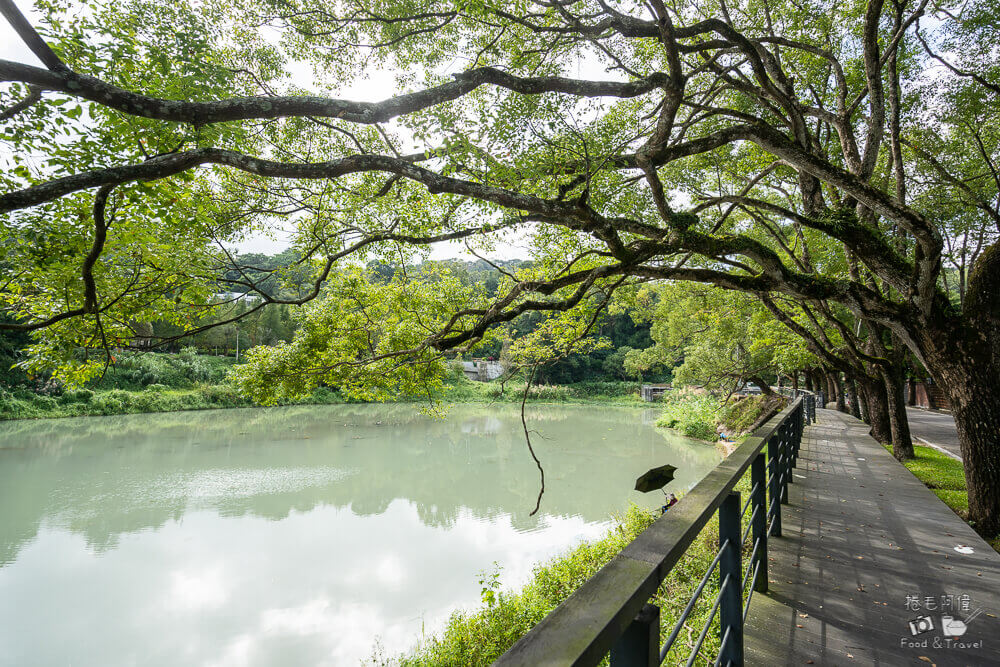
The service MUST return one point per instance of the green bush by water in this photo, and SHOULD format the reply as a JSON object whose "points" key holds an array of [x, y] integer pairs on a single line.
{"points": [[185, 370], [157, 382], [738, 416], [82, 402], [479, 637], [461, 389], [694, 416]]}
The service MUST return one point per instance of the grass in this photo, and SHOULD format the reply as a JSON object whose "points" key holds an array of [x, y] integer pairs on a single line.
{"points": [[463, 390], [945, 477], [480, 636], [694, 416], [738, 416], [701, 416], [22, 404], [126, 393]]}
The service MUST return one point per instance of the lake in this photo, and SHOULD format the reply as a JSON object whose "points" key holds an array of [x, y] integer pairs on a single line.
{"points": [[308, 535]]}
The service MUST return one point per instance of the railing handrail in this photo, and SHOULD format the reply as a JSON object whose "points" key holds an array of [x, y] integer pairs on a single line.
{"points": [[584, 627]]}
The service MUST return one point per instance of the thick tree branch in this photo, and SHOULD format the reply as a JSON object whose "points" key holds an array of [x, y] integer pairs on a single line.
{"points": [[248, 108]]}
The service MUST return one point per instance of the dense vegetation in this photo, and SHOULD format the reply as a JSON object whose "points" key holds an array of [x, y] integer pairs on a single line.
{"points": [[706, 417], [157, 382]]}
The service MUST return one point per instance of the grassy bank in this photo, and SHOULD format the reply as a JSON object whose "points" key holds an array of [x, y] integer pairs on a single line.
{"points": [[701, 416], [478, 637], [155, 382], [945, 477], [155, 398], [694, 416], [618, 393], [140, 383]]}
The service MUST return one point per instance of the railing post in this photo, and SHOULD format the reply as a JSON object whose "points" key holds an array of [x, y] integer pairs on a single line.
{"points": [[730, 565], [794, 431], [639, 645], [788, 437], [800, 427], [785, 462], [758, 482], [773, 488]]}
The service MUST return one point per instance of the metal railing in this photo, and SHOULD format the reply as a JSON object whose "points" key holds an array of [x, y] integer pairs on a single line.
{"points": [[810, 399], [610, 614]]}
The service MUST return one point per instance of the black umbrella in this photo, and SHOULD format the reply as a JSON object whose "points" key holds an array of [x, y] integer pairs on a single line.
{"points": [[657, 478]]}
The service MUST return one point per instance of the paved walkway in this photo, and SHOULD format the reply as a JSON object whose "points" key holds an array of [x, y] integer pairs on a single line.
{"points": [[867, 549], [933, 427]]}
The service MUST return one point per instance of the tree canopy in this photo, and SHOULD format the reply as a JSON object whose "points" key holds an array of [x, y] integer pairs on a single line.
{"points": [[721, 339]]}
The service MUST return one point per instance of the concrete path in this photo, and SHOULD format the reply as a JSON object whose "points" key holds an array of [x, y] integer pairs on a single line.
{"points": [[934, 428], [868, 556]]}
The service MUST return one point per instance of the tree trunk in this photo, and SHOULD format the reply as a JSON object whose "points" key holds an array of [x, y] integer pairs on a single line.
{"points": [[819, 383], [866, 414], [831, 389], [855, 406], [899, 427], [809, 381], [973, 386], [965, 361], [838, 385], [765, 388], [911, 391], [878, 409]]}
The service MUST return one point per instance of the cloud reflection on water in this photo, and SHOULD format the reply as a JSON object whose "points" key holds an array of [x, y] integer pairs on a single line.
{"points": [[291, 536]]}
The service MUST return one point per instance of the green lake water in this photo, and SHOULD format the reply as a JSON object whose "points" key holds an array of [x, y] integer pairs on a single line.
{"points": [[295, 536]]}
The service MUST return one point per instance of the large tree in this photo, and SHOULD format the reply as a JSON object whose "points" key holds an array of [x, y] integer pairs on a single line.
{"points": [[832, 151], [721, 339]]}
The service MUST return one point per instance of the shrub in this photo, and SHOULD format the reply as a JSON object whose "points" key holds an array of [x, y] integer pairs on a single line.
{"points": [[325, 396], [595, 389], [112, 402], [739, 416], [179, 371], [83, 395], [694, 416], [45, 403], [221, 396]]}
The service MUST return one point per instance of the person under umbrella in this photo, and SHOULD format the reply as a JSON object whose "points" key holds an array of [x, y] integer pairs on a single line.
{"points": [[657, 478]]}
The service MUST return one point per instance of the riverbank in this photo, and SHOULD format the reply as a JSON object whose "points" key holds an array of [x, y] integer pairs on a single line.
{"points": [[22, 403], [89, 402], [704, 417]]}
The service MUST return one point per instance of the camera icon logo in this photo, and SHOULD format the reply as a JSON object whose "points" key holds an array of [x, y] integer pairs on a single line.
{"points": [[920, 625]]}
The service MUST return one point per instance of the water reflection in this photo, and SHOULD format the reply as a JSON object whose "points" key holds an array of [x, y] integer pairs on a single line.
{"points": [[292, 535]]}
